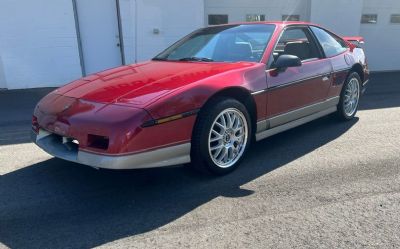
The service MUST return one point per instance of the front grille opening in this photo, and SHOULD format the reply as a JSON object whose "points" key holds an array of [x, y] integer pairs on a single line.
{"points": [[70, 143], [98, 142]]}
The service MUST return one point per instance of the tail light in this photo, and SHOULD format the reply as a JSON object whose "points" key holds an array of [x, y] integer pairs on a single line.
{"points": [[35, 125]]}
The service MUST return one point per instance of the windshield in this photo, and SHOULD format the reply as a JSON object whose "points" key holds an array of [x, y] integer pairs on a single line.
{"points": [[230, 43]]}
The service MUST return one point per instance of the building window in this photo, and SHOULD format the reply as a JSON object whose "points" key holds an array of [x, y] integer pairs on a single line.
{"points": [[395, 18], [217, 19], [255, 18], [290, 17], [369, 18]]}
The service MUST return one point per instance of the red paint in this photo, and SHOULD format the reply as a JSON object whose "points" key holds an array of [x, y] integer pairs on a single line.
{"points": [[116, 102]]}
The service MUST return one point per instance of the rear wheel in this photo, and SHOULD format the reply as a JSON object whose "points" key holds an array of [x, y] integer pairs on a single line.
{"points": [[221, 136], [349, 97]]}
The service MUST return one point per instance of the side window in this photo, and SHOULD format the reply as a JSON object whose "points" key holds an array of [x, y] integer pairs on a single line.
{"points": [[298, 42], [331, 44]]}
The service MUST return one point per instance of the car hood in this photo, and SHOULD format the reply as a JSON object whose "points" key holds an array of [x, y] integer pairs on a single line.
{"points": [[141, 84]]}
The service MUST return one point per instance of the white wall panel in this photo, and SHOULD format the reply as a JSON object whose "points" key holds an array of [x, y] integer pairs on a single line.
{"points": [[173, 18], [382, 40], [340, 16], [128, 10], [272, 9], [38, 45]]}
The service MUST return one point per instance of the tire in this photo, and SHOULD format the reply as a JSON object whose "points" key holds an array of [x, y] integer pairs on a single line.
{"points": [[219, 148], [349, 97]]}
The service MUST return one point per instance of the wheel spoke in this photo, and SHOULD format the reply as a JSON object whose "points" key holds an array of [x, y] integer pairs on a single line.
{"points": [[216, 133], [235, 122], [217, 138], [220, 126], [223, 120], [230, 153], [218, 151], [230, 123], [221, 155]]}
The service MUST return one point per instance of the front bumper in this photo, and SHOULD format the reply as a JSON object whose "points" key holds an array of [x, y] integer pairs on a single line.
{"points": [[53, 144]]}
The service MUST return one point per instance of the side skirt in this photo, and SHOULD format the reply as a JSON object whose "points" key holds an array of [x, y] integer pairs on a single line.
{"points": [[294, 118]]}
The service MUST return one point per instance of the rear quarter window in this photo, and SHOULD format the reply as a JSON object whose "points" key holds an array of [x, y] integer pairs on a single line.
{"points": [[332, 45]]}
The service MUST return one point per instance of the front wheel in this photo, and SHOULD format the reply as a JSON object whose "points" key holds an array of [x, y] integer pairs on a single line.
{"points": [[349, 97], [221, 136]]}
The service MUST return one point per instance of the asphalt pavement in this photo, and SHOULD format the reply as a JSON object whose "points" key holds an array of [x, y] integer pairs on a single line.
{"points": [[326, 184]]}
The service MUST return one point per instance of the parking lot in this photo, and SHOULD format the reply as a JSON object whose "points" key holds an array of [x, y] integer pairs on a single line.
{"points": [[326, 184]]}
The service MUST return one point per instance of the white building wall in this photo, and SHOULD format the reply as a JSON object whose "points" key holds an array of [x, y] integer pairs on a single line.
{"points": [[38, 42], [173, 18], [382, 40], [340, 16], [128, 10], [273, 9], [38, 45]]}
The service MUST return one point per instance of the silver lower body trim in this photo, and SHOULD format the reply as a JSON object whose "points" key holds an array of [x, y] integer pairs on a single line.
{"points": [[173, 155], [283, 122], [290, 125]]}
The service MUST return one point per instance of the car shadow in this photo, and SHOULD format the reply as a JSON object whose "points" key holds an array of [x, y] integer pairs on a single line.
{"points": [[57, 204]]}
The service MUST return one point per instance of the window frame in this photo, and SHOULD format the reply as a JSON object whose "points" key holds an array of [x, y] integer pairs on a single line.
{"points": [[391, 19], [293, 15], [252, 15], [334, 36], [362, 22], [271, 60]]}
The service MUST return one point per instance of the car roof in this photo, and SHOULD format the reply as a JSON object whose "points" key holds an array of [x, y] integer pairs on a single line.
{"points": [[280, 23]]}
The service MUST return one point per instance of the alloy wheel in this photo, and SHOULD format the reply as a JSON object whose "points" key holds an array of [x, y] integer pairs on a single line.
{"points": [[227, 138], [351, 97]]}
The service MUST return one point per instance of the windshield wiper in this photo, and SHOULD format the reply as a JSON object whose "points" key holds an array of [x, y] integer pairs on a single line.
{"points": [[196, 59], [159, 59]]}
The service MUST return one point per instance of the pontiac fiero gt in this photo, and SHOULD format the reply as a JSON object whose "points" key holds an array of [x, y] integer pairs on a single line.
{"points": [[205, 98]]}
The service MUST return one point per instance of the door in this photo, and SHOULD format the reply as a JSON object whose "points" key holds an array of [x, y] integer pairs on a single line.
{"points": [[296, 88], [99, 34]]}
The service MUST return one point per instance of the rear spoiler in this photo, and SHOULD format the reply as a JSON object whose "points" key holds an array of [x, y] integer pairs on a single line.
{"points": [[355, 40]]}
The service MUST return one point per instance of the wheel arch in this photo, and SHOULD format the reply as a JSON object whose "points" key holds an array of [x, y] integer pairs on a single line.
{"points": [[243, 96], [359, 70]]}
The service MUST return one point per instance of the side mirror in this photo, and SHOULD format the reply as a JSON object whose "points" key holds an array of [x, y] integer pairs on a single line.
{"points": [[286, 60]]}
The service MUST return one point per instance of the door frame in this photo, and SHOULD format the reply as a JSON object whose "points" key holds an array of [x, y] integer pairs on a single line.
{"points": [[79, 39]]}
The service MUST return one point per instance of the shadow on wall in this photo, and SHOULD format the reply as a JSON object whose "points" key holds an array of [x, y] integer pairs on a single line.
{"points": [[57, 204]]}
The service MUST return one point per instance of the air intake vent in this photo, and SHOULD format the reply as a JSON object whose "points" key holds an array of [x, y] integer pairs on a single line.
{"points": [[98, 142]]}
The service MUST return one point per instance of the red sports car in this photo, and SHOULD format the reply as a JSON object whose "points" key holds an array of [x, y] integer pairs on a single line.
{"points": [[205, 98]]}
